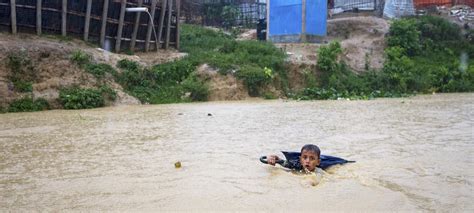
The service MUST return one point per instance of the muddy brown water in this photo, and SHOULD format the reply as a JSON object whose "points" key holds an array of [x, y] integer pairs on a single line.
{"points": [[413, 154]]}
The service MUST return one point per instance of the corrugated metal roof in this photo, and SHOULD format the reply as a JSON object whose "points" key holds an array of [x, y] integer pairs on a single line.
{"points": [[398, 8]]}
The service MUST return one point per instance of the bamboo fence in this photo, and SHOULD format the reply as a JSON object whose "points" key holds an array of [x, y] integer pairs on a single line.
{"points": [[101, 21]]}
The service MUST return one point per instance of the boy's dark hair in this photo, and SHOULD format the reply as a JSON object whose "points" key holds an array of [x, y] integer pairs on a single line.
{"points": [[312, 148]]}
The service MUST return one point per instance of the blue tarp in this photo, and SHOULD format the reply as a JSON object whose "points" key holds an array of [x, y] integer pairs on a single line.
{"points": [[316, 15], [286, 18]]}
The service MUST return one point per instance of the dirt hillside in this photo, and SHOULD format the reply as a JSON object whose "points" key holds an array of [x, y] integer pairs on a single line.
{"points": [[52, 69], [361, 37]]}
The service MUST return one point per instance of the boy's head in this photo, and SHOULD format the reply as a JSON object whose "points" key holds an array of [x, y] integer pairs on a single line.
{"points": [[310, 157]]}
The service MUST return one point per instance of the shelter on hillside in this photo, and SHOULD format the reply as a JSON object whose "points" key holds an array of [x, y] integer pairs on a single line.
{"points": [[296, 20], [398, 8]]}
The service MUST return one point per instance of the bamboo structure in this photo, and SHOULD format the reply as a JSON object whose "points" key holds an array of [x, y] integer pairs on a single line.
{"points": [[103, 22]]}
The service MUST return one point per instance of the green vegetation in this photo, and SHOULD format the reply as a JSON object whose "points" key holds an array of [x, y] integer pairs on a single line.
{"points": [[247, 59], [22, 73], [28, 105], [442, 65], [426, 54], [78, 98], [257, 63], [99, 70], [164, 83], [80, 58]]}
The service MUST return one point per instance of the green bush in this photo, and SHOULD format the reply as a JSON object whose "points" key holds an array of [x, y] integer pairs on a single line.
{"points": [[199, 89], [99, 70], [405, 34], [78, 98], [327, 57], [80, 58], [437, 29], [254, 78], [128, 65], [22, 86], [22, 70], [173, 72], [108, 93], [28, 105]]}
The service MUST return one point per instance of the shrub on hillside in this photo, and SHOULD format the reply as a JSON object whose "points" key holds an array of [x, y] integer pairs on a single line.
{"points": [[78, 98], [28, 105], [80, 58], [405, 34]]}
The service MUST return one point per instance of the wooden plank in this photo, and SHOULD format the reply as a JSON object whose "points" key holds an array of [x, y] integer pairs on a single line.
{"points": [[13, 15], [178, 14], [150, 25], [64, 18], [39, 5], [104, 23], [168, 24], [88, 20], [161, 20], [135, 27], [120, 26]]}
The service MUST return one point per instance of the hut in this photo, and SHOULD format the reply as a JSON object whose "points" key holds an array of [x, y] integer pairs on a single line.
{"points": [[398, 8]]}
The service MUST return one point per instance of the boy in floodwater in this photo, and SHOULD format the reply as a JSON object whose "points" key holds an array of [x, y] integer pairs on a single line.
{"points": [[309, 159], [309, 162]]}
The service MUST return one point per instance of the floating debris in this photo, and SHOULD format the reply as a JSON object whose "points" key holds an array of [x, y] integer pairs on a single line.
{"points": [[177, 165]]}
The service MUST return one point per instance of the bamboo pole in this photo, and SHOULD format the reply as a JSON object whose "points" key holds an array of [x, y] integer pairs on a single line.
{"points": [[64, 18], [150, 25], [13, 15], [162, 19], [168, 24], [104, 23], [88, 20], [178, 14], [135, 27], [38, 16], [120, 26]]}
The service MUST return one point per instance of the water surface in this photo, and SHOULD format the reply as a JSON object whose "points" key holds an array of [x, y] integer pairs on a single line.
{"points": [[413, 154]]}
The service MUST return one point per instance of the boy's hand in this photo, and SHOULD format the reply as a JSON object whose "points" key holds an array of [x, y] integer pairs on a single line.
{"points": [[272, 159]]}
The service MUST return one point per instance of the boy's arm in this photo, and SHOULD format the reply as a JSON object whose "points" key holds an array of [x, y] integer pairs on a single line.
{"points": [[272, 159]]}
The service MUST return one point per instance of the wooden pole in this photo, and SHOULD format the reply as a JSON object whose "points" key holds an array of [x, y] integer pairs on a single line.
{"points": [[88, 20], [104, 23], [135, 27], [64, 18], [178, 15], [120, 26], [303, 21], [38, 16], [162, 19], [13, 15], [150, 25], [168, 24], [267, 32]]}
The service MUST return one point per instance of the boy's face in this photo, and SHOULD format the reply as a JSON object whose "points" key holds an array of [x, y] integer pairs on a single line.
{"points": [[309, 160]]}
